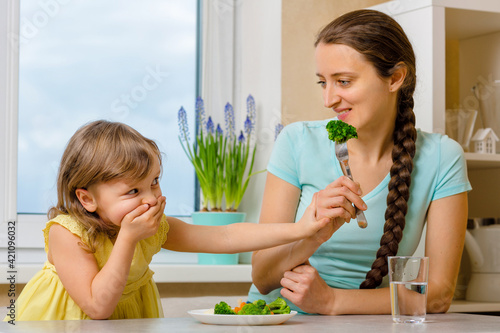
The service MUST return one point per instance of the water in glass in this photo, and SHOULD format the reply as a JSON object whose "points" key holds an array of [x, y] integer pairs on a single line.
{"points": [[409, 301]]}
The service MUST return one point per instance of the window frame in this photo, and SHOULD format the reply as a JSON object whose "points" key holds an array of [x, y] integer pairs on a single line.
{"points": [[9, 71]]}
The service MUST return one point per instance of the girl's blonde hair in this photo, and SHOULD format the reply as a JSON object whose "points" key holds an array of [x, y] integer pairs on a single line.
{"points": [[99, 152]]}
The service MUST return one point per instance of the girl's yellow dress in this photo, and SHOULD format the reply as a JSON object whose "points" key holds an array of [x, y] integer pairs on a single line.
{"points": [[44, 296]]}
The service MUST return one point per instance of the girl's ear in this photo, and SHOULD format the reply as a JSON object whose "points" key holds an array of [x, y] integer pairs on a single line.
{"points": [[398, 77], [86, 199]]}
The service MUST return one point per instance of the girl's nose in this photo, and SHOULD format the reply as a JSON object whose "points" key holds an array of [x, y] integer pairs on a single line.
{"points": [[150, 199], [330, 97]]}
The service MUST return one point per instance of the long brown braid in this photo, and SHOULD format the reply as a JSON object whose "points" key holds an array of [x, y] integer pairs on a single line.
{"points": [[383, 43]]}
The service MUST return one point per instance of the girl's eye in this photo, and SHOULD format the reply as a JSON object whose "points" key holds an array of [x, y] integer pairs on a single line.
{"points": [[156, 181], [134, 191]]}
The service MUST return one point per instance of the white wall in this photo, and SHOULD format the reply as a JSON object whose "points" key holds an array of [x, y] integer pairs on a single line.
{"points": [[430, 89]]}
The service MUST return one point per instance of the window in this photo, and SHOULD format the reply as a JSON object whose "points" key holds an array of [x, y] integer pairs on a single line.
{"points": [[240, 38], [128, 61]]}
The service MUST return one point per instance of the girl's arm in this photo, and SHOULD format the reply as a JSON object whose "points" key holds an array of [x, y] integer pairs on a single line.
{"points": [[240, 237], [95, 291], [280, 204], [446, 225]]}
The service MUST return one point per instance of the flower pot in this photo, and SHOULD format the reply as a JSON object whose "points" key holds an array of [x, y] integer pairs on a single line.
{"points": [[217, 219]]}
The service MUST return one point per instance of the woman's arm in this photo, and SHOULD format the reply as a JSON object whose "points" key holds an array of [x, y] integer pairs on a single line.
{"points": [[444, 243], [280, 204], [446, 225], [306, 289], [97, 292]]}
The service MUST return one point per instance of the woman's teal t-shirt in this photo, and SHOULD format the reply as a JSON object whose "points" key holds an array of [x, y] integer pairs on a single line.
{"points": [[304, 157]]}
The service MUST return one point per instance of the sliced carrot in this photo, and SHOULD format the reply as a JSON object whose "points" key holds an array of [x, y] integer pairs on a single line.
{"points": [[238, 308]]}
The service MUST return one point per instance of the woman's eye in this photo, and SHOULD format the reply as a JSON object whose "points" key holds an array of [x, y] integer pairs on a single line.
{"points": [[344, 83], [322, 83]]}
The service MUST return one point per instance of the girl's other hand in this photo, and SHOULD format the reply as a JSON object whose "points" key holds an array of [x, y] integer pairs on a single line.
{"points": [[337, 199], [144, 221], [310, 223]]}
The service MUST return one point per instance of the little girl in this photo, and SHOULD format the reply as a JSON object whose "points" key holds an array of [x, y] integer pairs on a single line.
{"points": [[109, 222]]}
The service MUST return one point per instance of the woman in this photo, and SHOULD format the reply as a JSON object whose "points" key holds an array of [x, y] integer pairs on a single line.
{"points": [[403, 178]]}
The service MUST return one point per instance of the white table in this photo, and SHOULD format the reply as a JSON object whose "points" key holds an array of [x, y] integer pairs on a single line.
{"points": [[439, 323]]}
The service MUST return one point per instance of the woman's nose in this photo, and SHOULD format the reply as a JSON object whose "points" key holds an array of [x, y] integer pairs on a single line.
{"points": [[330, 97]]}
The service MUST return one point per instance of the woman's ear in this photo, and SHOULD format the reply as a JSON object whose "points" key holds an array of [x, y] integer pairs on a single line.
{"points": [[86, 199], [398, 77]]}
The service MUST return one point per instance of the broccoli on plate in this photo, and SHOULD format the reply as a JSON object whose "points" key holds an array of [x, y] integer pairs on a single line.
{"points": [[223, 308], [258, 307], [260, 303], [279, 306], [250, 309]]}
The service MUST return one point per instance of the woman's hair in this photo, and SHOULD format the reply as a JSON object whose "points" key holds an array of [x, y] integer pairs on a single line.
{"points": [[99, 152], [383, 43]]}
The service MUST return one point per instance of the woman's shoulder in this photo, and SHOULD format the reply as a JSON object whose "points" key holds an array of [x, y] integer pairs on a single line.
{"points": [[439, 149], [437, 140]]}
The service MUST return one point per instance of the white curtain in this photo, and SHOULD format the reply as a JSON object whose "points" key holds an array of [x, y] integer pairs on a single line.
{"points": [[218, 54]]}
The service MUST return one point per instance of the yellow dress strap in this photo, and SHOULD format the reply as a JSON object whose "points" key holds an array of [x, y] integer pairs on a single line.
{"points": [[67, 222]]}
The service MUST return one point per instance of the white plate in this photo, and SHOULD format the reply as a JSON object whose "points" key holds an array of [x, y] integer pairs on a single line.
{"points": [[207, 316]]}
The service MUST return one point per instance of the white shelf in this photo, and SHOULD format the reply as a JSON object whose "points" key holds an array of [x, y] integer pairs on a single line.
{"points": [[164, 273], [482, 161], [468, 306]]}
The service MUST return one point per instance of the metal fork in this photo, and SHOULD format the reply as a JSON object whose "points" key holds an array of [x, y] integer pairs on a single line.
{"points": [[343, 157]]}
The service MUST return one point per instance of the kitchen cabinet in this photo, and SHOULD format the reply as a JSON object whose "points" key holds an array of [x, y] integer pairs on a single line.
{"points": [[457, 45]]}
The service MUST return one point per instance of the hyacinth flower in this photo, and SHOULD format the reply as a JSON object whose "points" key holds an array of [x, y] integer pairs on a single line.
{"points": [[206, 154], [238, 153], [223, 162]]}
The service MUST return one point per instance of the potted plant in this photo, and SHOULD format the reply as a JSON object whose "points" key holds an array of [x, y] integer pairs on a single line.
{"points": [[223, 163]]}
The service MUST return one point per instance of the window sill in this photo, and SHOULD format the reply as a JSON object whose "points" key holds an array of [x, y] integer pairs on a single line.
{"points": [[164, 273], [168, 266]]}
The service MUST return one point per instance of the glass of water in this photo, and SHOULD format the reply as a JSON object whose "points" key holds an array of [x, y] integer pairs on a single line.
{"points": [[408, 278]]}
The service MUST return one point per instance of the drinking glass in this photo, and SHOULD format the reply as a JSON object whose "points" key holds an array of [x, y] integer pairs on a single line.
{"points": [[408, 278]]}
